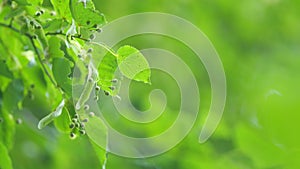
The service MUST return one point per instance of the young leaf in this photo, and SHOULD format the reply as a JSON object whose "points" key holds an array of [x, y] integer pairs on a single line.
{"points": [[62, 7], [63, 121], [49, 118], [61, 70], [133, 64], [97, 133], [85, 14], [7, 129], [5, 161], [107, 66]]}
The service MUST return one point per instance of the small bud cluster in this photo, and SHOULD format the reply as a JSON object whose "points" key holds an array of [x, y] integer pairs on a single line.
{"points": [[77, 126]]}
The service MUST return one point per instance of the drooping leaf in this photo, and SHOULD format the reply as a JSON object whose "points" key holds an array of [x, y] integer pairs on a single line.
{"points": [[85, 14], [61, 70], [62, 7], [62, 122], [7, 128], [50, 117], [97, 133], [133, 64], [13, 95], [5, 161], [4, 71]]}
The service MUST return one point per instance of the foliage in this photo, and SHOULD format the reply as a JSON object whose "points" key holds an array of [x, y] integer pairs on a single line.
{"points": [[42, 45]]}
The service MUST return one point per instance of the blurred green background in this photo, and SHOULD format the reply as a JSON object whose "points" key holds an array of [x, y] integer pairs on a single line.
{"points": [[258, 42]]}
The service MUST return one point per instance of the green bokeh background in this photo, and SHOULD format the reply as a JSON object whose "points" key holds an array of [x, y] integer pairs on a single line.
{"points": [[258, 43]]}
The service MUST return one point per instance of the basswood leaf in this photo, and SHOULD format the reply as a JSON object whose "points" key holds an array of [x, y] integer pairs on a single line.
{"points": [[97, 133], [107, 66], [41, 37], [5, 161], [62, 7], [13, 95], [36, 2], [50, 117], [133, 64], [22, 2], [63, 121], [54, 48], [4, 71], [85, 14], [54, 25], [7, 129], [61, 69]]}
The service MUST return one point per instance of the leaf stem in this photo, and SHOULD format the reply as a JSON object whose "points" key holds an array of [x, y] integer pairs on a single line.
{"points": [[72, 36]]}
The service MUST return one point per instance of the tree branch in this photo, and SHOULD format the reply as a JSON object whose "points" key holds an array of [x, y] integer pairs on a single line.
{"points": [[35, 50]]}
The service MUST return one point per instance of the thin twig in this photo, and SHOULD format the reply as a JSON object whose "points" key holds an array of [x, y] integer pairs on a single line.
{"points": [[72, 36], [41, 62], [35, 50]]}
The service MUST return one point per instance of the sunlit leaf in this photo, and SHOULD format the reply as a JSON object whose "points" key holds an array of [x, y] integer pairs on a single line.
{"points": [[133, 64], [5, 161], [85, 14], [62, 7]]}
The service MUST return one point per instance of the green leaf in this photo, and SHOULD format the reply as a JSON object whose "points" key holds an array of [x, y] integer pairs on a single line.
{"points": [[4, 71], [100, 153], [7, 128], [97, 133], [62, 7], [41, 37], [133, 64], [14, 13], [54, 25], [106, 70], [22, 2], [85, 14], [5, 161], [54, 48], [50, 117], [13, 95], [63, 121], [61, 69], [36, 2]]}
